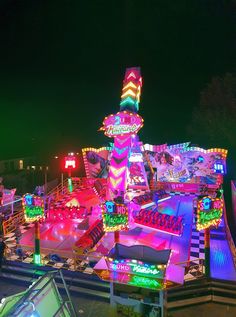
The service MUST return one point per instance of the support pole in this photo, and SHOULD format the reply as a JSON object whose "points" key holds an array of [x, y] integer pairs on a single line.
{"points": [[207, 253], [117, 236], [37, 255], [70, 185]]}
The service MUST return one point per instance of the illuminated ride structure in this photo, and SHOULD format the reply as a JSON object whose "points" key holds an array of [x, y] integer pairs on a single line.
{"points": [[139, 178], [130, 189], [133, 169]]}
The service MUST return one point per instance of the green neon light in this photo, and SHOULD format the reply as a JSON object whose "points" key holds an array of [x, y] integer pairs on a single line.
{"points": [[213, 214], [112, 220], [70, 185], [145, 282], [33, 211], [37, 259], [127, 100]]}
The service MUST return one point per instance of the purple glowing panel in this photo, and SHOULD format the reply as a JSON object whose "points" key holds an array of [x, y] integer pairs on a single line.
{"points": [[186, 164]]}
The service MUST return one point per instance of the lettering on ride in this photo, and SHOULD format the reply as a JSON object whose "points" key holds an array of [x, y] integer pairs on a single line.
{"points": [[121, 209], [120, 267], [128, 266], [144, 270], [33, 211], [33, 207], [145, 282], [122, 129], [113, 220], [115, 216], [211, 215]]}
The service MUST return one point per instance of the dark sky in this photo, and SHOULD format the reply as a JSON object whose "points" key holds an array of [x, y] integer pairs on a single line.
{"points": [[62, 64]]}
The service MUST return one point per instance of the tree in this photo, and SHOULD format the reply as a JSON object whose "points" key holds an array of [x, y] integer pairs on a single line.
{"points": [[214, 120], [213, 124]]}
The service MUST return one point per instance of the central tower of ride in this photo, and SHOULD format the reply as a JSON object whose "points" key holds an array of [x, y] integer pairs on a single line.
{"points": [[126, 169]]}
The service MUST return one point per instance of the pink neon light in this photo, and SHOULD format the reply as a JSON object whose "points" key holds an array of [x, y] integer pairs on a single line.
{"points": [[122, 123]]}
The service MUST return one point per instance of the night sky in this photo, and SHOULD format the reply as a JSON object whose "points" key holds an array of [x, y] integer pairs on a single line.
{"points": [[62, 65]]}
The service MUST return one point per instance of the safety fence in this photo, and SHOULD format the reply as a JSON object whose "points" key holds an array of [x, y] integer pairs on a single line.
{"points": [[71, 260], [13, 222]]}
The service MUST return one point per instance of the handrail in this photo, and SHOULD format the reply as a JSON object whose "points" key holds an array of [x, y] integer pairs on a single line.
{"points": [[62, 189], [14, 221]]}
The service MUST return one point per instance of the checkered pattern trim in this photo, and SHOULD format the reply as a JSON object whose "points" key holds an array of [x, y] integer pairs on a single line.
{"points": [[196, 253], [197, 244], [137, 191], [181, 193], [14, 254]]}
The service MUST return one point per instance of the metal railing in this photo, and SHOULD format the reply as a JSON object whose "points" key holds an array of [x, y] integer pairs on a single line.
{"points": [[74, 260], [13, 222]]}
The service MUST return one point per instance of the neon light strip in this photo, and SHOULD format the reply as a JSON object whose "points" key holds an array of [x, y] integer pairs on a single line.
{"points": [[130, 84], [12, 202], [148, 205], [163, 199], [129, 92]]}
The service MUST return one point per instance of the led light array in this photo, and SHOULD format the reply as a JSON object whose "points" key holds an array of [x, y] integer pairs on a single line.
{"points": [[154, 148], [131, 90], [178, 146], [209, 212], [198, 149], [33, 207], [121, 124], [136, 267], [112, 219]]}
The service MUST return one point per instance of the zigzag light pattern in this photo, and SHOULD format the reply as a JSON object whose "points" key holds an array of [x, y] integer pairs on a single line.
{"points": [[117, 171], [115, 182], [118, 166], [131, 90]]}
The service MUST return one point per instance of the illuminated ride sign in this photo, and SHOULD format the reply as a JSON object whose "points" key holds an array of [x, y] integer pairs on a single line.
{"points": [[122, 123], [33, 207], [70, 161], [146, 282], [209, 212], [115, 216], [136, 267], [132, 279]]}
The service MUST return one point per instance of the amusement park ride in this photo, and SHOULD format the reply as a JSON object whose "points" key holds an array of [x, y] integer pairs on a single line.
{"points": [[129, 188]]}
